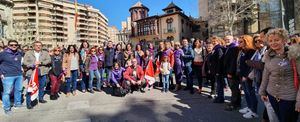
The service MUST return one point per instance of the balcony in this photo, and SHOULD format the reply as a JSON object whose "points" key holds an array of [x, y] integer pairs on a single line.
{"points": [[169, 30]]}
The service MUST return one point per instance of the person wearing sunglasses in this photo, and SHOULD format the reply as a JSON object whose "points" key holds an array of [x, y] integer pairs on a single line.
{"points": [[55, 73], [92, 69], [11, 75]]}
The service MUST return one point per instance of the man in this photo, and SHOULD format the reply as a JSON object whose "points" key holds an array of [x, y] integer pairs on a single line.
{"points": [[40, 59], [11, 75], [230, 66], [134, 76], [188, 58], [109, 58]]}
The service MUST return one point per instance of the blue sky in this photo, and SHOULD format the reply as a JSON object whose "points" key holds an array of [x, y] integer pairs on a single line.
{"points": [[117, 10]]}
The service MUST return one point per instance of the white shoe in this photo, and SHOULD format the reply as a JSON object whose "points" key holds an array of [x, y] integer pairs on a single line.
{"points": [[244, 110], [250, 115]]}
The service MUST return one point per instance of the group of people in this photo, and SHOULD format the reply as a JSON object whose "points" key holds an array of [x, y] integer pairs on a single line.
{"points": [[264, 63]]}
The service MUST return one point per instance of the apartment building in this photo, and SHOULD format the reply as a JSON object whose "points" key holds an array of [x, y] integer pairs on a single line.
{"points": [[53, 22], [6, 29]]}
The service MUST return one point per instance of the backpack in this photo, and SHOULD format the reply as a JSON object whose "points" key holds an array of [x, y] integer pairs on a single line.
{"points": [[119, 92]]}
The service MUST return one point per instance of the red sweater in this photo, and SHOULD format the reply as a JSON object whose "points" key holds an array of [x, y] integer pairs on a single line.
{"points": [[128, 74]]}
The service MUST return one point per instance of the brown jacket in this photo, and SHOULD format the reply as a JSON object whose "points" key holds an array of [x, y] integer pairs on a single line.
{"points": [[277, 79], [29, 61], [67, 64]]}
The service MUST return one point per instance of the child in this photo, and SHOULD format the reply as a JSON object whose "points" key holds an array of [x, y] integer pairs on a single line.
{"points": [[165, 68]]}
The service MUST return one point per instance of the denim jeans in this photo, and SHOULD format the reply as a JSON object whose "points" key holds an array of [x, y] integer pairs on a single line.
{"points": [[42, 85], [9, 84], [250, 95], [166, 82], [189, 77], [72, 80], [102, 71], [85, 78], [94, 73]]}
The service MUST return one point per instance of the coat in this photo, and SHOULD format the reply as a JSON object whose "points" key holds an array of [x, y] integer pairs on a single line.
{"points": [[188, 56], [128, 74], [44, 59], [109, 57], [230, 59], [67, 63], [216, 60]]}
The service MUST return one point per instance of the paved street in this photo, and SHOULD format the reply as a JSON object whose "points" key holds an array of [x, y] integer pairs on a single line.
{"points": [[151, 106]]}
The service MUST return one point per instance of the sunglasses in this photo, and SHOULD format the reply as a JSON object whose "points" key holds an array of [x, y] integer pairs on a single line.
{"points": [[13, 45], [258, 41], [93, 50]]}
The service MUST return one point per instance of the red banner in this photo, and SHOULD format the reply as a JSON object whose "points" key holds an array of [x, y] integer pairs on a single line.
{"points": [[33, 85]]}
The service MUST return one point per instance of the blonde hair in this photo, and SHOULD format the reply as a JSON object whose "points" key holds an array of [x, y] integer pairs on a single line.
{"points": [[282, 33]]}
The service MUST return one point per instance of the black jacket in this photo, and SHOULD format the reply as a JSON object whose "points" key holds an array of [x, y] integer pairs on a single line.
{"points": [[217, 60], [244, 69], [230, 60]]}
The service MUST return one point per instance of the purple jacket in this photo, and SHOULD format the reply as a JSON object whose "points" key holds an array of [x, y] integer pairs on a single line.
{"points": [[178, 62], [93, 63], [116, 76]]}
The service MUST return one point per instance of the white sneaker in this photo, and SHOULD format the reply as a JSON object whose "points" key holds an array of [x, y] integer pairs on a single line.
{"points": [[244, 110], [250, 115]]}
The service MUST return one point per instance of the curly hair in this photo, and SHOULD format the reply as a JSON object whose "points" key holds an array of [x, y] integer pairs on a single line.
{"points": [[282, 33]]}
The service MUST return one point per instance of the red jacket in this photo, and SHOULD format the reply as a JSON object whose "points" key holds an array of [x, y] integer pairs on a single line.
{"points": [[128, 74]]}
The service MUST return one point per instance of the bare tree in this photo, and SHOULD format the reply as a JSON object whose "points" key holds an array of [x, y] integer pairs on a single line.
{"points": [[227, 13], [23, 32]]}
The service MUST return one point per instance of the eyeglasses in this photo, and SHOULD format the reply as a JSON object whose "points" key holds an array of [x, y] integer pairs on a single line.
{"points": [[13, 45], [93, 50], [56, 50]]}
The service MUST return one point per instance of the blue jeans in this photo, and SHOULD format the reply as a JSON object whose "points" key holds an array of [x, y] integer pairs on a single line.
{"points": [[9, 84], [102, 71], [72, 80], [85, 78], [166, 82], [250, 95], [42, 85], [94, 73], [189, 77]]}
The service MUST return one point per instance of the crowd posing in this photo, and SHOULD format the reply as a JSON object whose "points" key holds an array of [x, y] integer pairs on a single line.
{"points": [[267, 64]]}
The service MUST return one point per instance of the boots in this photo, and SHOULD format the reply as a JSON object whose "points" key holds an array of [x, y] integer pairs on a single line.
{"points": [[177, 87]]}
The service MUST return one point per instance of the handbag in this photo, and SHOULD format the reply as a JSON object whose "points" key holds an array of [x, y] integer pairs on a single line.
{"points": [[295, 73]]}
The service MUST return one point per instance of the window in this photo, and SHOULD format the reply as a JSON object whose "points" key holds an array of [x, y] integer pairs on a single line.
{"points": [[169, 24]]}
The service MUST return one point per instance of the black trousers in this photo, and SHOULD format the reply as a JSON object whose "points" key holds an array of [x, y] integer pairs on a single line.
{"points": [[235, 91]]}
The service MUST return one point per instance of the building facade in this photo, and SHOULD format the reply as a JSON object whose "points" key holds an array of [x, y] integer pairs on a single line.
{"points": [[112, 34], [6, 20], [53, 22], [173, 25]]}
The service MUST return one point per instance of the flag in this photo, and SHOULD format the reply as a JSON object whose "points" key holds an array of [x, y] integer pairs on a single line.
{"points": [[149, 73], [33, 85], [76, 13], [157, 63]]}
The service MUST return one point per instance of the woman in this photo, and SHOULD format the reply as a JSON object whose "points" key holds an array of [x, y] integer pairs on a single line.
{"points": [[198, 62], [92, 69], [71, 67], [83, 52], [178, 65], [101, 56], [207, 68], [119, 55], [116, 77], [56, 73], [277, 85], [243, 70], [217, 66], [138, 54], [128, 55], [151, 49]]}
